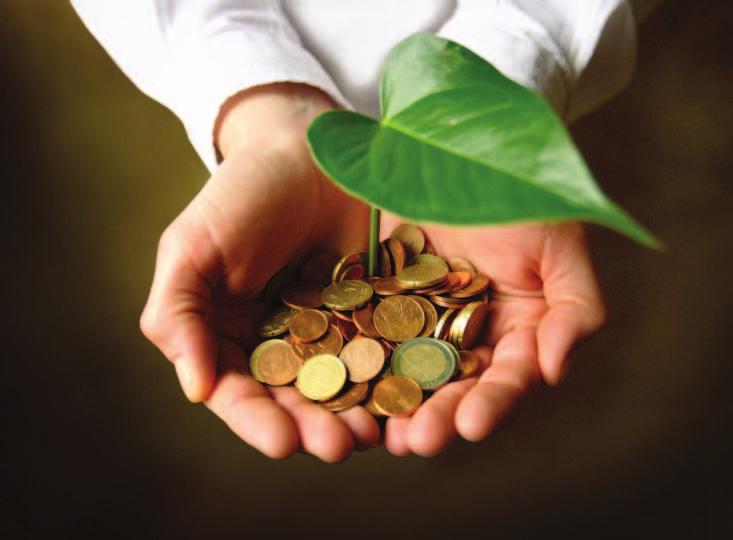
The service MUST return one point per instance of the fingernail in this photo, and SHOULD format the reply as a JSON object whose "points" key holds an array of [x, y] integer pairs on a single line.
{"points": [[185, 378]]}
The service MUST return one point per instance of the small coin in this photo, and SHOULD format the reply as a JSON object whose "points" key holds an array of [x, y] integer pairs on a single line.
{"points": [[346, 295], [444, 323], [399, 318], [354, 271], [371, 407], [469, 325], [358, 257], [459, 264], [468, 365], [429, 362], [308, 325], [412, 239], [420, 276], [254, 358], [479, 283], [331, 343], [275, 323], [364, 359], [278, 364], [351, 395], [321, 377], [277, 283], [387, 286], [302, 295], [343, 315], [449, 302], [431, 315], [319, 268], [459, 280], [397, 251], [397, 396], [364, 320], [428, 258], [385, 261], [347, 328]]}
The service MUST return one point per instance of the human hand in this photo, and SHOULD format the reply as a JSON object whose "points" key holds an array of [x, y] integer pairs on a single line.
{"points": [[266, 207], [547, 300]]}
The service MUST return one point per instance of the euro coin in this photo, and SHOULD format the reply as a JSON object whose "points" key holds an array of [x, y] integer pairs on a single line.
{"points": [[397, 251], [308, 325], [431, 315], [277, 283], [479, 283], [429, 362], [419, 276], [321, 377], [427, 258], [278, 364], [469, 325], [459, 264], [330, 343], [346, 295], [275, 323], [468, 365], [302, 295], [358, 257], [399, 318], [385, 261], [444, 323], [387, 286], [254, 358], [397, 396], [363, 358], [411, 237], [349, 397], [364, 320]]}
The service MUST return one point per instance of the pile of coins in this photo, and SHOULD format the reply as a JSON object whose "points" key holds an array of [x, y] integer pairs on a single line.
{"points": [[385, 342]]}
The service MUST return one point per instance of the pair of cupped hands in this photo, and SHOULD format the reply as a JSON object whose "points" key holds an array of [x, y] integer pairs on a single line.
{"points": [[268, 206]]}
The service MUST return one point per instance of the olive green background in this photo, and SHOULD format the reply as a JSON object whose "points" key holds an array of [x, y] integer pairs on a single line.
{"points": [[104, 444]]}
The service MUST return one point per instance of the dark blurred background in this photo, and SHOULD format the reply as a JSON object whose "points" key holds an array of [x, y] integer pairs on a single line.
{"points": [[103, 443]]}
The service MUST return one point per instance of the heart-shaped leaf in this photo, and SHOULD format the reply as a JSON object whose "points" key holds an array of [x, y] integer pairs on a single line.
{"points": [[460, 143]]}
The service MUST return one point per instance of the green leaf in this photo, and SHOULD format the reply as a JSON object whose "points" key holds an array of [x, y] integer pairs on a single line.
{"points": [[460, 143]]}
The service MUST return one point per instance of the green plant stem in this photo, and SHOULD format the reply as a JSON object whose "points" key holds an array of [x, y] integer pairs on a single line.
{"points": [[374, 217]]}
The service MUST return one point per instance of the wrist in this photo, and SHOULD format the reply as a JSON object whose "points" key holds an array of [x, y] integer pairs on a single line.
{"points": [[271, 114]]}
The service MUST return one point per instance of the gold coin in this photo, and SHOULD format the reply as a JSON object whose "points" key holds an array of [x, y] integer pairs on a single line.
{"points": [[459, 280], [354, 271], [444, 323], [428, 361], [321, 377], [459, 264], [277, 283], [468, 365], [420, 276], [275, 323], [319, 268], [479, 283], [358, 257], [254, 358], [302, 295], [399, 318], [363, 358], [431, 315], [397, 251], [412, 239], [385, 261], [331, 343], [371, 407], [387, 286], [364, 320], [352, 395], [278, 364], [469, 325], [428, 258], [397, 396], [349, 294], [449, 302], [308, 325]]}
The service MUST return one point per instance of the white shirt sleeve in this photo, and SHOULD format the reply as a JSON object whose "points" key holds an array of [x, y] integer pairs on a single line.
{"points": [[193, 55], [577, 54]]}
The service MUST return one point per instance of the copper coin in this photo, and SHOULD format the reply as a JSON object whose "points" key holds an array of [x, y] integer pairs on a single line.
{"points": [[468, 365], [385, 261], [302, 295], [431, 315], [411, 237], [331, 343], [277, 283], [347, 328], [399, 318], [444, 323], [308, 325], [342, 315], [397, 396], [371, 407], [387, 286], [397, 251], [460, 280], [459, 264], [449, 302], [364, 359], [471, 325], [319, 268], [354, 271], [363, 319], [479, 283], [358, 257], [351, 396], [278, 364]]}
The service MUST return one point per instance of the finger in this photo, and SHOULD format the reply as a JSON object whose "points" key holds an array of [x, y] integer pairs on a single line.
{"points": [[395, 436], [174, 318], [321, 433], [575, 305], [248, 409], [238, 322], [363, 426], [433, 428], [513, 371]]}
